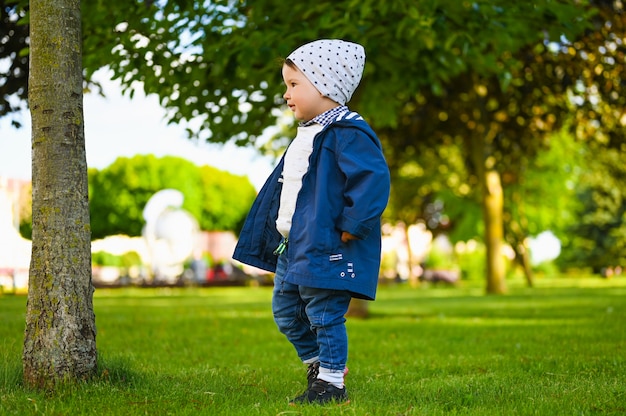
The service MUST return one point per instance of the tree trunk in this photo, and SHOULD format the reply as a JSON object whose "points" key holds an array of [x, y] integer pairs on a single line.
{"points": [[413, 278], [494, 234], [60, 334], [492, 202], [358, 308], [516, 232], [523, 258]]}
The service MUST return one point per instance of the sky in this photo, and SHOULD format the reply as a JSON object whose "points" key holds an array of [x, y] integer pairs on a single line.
{"points": [[118, 126]]}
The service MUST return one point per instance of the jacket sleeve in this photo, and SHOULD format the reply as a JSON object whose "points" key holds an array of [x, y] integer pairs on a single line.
{"points": [[367, 184]]}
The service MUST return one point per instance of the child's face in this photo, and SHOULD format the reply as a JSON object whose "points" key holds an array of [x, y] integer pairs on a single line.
{"points": [[302, 97]]}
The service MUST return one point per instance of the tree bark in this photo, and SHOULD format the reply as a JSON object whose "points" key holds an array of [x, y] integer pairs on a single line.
{"points": [[358, 308], [413, 278], [523, 259], [493, 207], [492, 202], [60, 334]]}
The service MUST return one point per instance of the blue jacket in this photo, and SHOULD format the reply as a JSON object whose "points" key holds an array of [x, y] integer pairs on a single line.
{"points": [[346, 188]]}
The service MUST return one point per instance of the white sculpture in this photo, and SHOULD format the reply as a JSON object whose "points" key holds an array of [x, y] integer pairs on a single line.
{"points": [[171, 234]]}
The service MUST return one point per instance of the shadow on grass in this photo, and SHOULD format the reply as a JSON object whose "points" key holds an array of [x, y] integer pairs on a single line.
{"points": [[115, 372]]}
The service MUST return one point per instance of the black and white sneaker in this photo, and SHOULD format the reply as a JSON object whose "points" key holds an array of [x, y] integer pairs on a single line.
{"points": [[322, 392]]}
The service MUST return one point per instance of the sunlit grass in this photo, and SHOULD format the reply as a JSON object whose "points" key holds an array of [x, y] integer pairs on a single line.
{"points": [[556, 349]]}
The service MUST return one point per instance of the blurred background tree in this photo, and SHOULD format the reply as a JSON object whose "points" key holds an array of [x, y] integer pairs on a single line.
{"points": [[596, 239]]}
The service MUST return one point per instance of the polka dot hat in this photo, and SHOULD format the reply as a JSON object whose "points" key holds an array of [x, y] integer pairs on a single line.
{"points": [[333, 66]]}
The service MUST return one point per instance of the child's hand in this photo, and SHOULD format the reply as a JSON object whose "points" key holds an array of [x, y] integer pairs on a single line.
{"points": [[346, 236]]}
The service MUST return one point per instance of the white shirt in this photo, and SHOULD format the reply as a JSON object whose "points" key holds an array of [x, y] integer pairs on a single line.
{"points": [[295, 166]]}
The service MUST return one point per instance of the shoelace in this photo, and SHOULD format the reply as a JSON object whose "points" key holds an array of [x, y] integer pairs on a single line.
{"points": [[312, 371]]}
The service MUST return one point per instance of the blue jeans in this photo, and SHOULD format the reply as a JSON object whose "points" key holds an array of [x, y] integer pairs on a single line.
{"points": [[313, 320]]}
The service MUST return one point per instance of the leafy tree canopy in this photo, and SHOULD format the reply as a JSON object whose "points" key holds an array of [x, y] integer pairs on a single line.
{"points": [[13, 58], [216, 63]]}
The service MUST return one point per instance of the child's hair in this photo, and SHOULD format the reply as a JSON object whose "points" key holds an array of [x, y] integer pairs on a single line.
{"points": [[289, 63], [286, 61]]}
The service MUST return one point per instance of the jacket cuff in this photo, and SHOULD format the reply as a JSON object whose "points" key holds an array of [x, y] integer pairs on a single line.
{"points": [[356, 228]]}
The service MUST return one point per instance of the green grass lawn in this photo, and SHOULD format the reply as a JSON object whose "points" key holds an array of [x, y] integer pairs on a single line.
{"points": [[556, 349]]}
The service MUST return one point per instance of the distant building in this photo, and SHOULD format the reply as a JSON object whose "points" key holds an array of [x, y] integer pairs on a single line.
{"points": [[14, 249]]}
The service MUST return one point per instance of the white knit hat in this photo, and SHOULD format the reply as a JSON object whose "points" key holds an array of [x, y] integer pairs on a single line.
{"points": [[333, 66]]}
